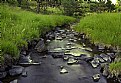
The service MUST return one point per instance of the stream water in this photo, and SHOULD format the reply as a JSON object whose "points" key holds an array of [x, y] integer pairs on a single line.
{"points": [[67, 60]]}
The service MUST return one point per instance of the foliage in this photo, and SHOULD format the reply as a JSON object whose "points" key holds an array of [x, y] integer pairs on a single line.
{"points": [[103, 28], [20, 26]]}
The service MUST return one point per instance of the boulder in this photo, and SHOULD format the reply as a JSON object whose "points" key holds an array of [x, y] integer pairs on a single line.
{"points": [[40, 46], [2, 75], [16, 70], [96, 77]]}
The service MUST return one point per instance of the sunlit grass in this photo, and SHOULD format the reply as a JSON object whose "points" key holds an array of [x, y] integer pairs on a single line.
{"points": [[19, 26], [103, 28]]}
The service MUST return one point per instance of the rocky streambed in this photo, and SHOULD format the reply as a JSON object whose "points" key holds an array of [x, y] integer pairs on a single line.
{"points": [[62, 56]]}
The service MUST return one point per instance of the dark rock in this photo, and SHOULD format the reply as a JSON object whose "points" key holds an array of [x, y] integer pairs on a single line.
{"points": [[40, 46], [96, 77], [2, 75], [0, 81], [16, 70], [88, 59], [24, 52], [25, 59], [57, 55], [2, 68], [8, 61]]}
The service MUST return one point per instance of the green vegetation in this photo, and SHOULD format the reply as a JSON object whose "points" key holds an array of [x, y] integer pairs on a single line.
{"points": [[19, 26], [115, 68], [102, 28]]}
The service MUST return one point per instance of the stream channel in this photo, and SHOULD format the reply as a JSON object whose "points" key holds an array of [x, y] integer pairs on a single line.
{"points": [[66, 60]]}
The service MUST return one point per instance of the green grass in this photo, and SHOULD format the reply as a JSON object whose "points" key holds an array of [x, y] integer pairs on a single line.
{"points": [[19, 26], [115, 68], [102, 28]]}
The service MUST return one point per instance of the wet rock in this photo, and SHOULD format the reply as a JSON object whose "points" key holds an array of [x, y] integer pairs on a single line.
{"points": [[95, 63], [40, 46], [88, 59], [105, 69], [66, 58], [112, 56], [101, 60], [57, 55], [105, 57], [24, 73], [48, 40], [101, 47], [2, 75], [63, 71], [25, 59], [68, 48], [58, 38], [71, 61], [16, 70], [23, 52], [14, 81], [96, 77]]}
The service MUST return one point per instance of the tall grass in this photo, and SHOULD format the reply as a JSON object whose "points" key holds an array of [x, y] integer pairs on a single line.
{"points": [[19, 26], [103, 28]]}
